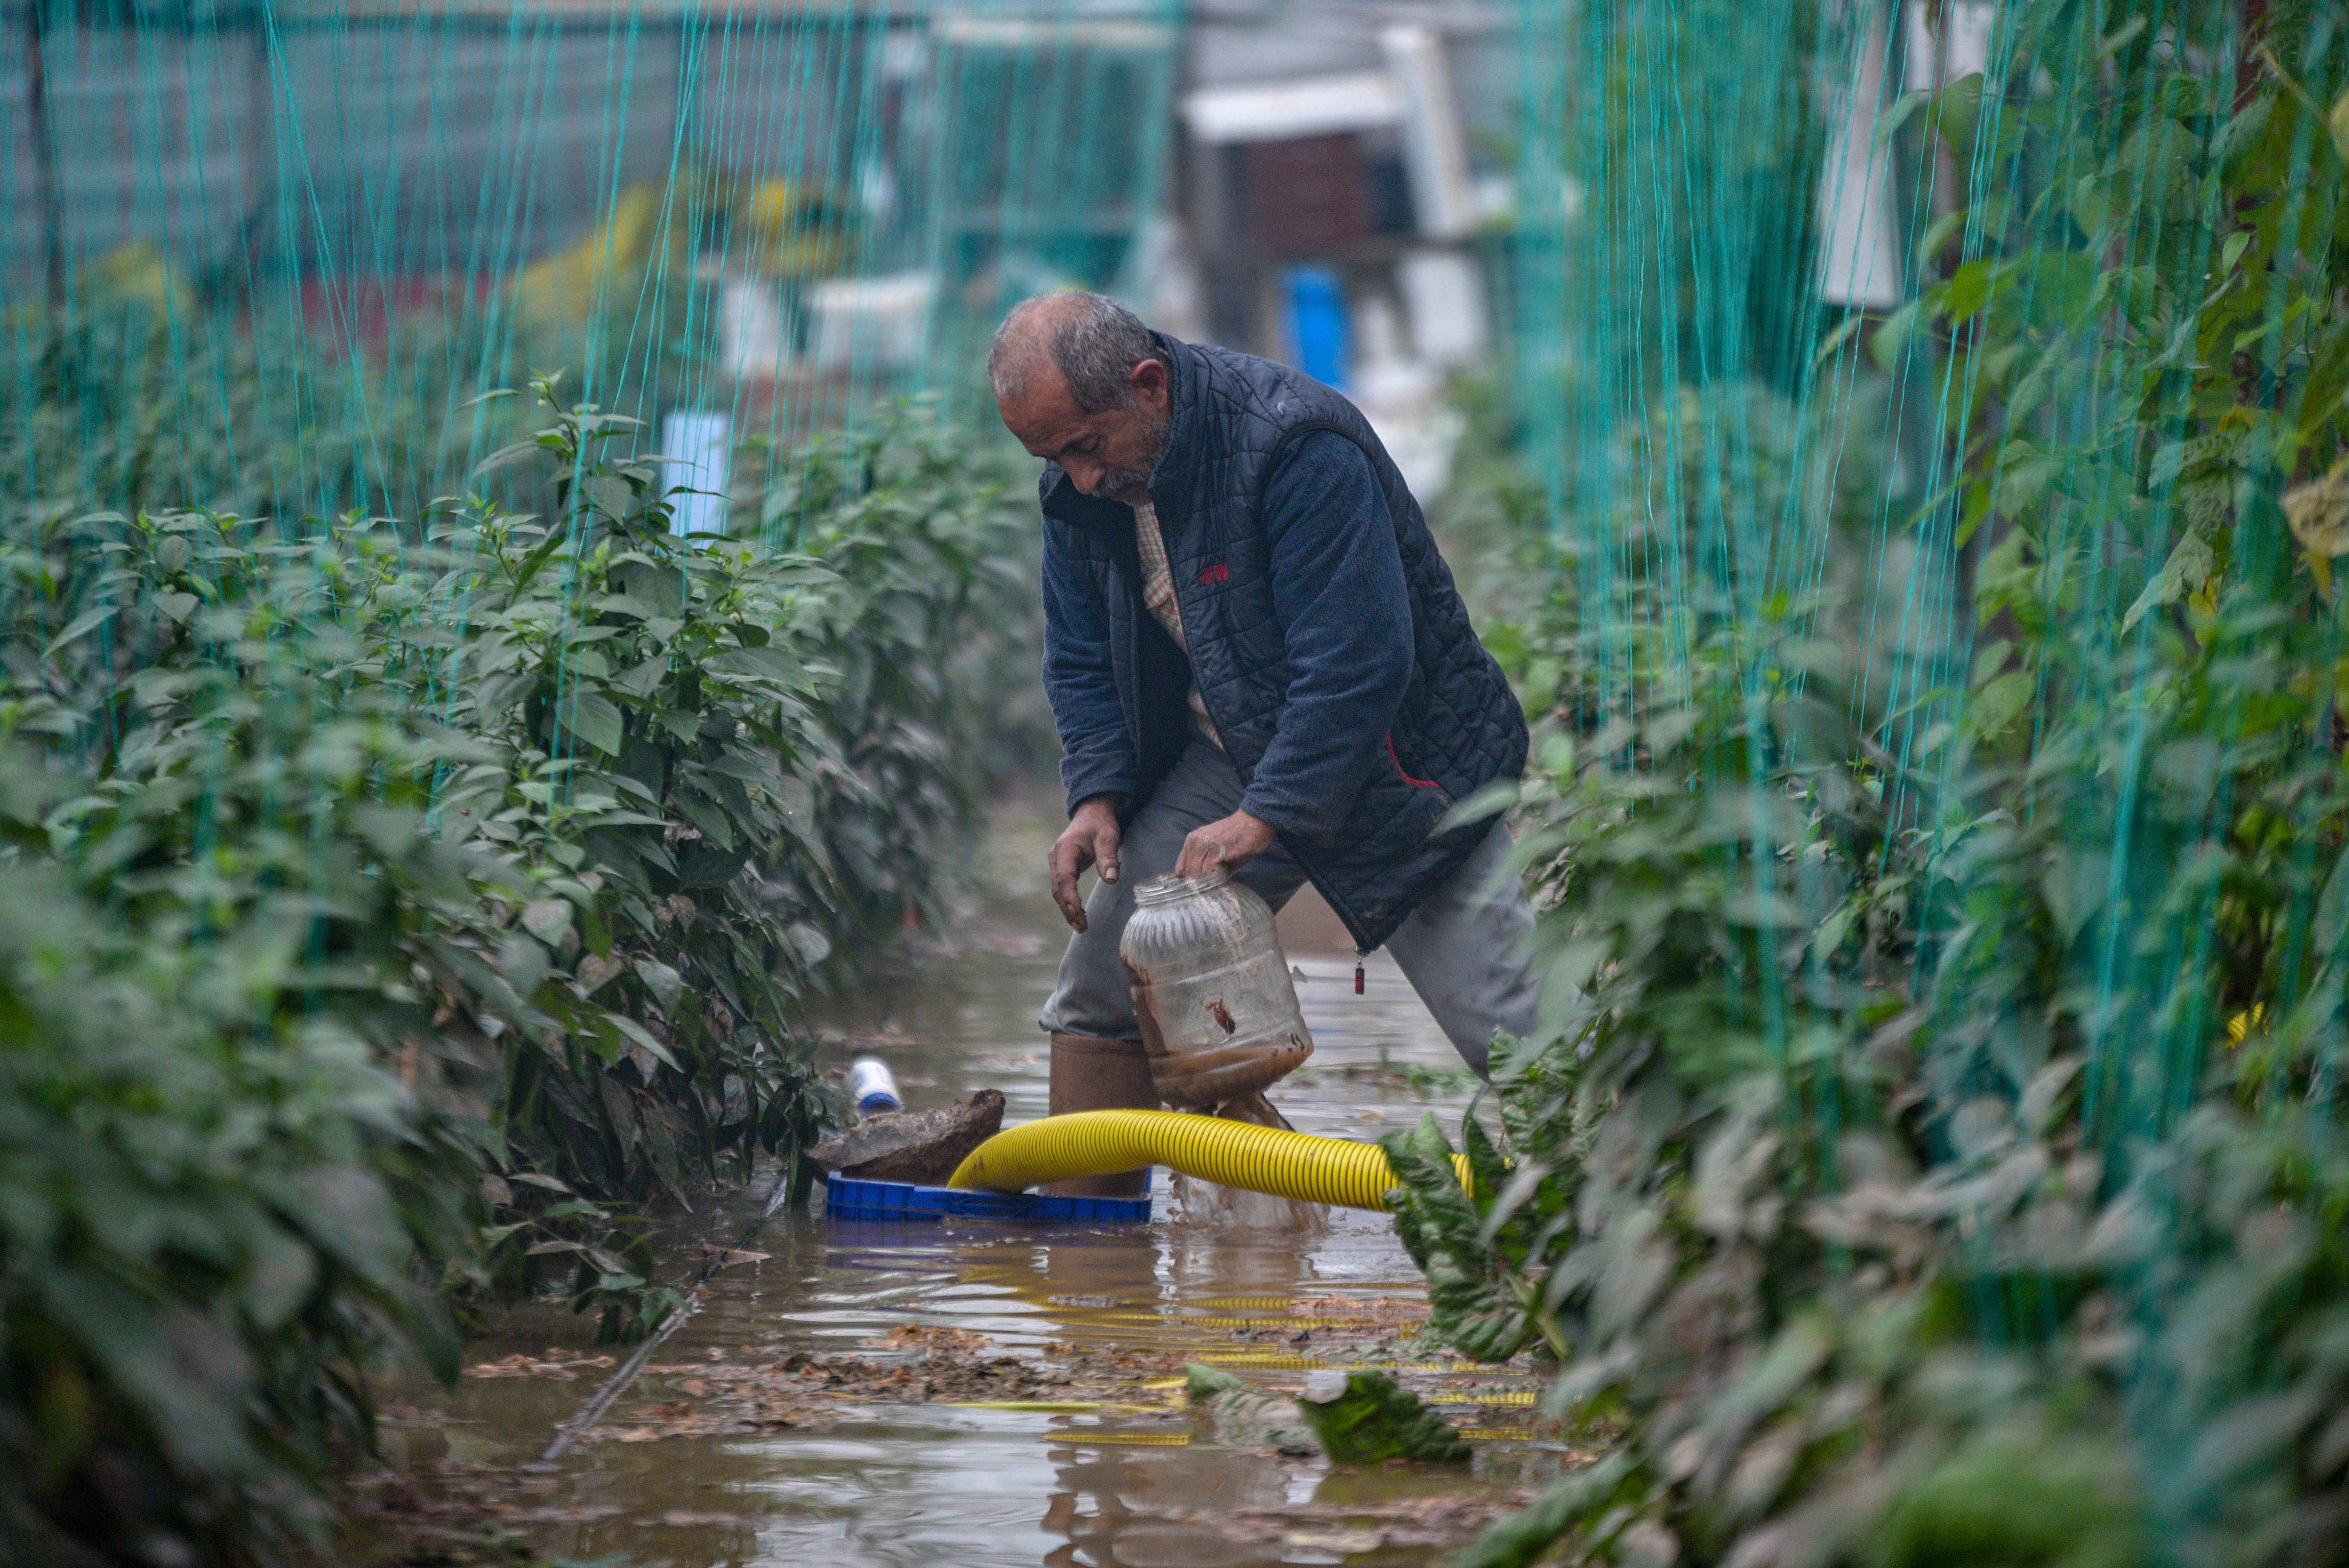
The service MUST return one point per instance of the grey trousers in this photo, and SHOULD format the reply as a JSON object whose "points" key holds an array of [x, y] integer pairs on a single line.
{"points": [[1465, 948]]}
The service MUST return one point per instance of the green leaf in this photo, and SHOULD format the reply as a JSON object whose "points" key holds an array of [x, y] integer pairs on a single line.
{"points": [[81, 625], [666, 984], [522, 962], [2332, 920], [2187, 571], [2092, 207], [536, 560], [1832, 931], [547, 919], [2328, 379], [1366, 1418], [611, 496], [1521, 1540], [1892, 339], [643, 680], [505, 457], [1489, 1170], [1990, 709], [1936, 239], [768, 663], [1970, 289], [1892, 119], [596, 720], [2120, 37], [1829, 346]]}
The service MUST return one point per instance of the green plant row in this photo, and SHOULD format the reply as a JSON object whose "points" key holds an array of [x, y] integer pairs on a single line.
{"points": [[1938, 1151], [393, 908]]}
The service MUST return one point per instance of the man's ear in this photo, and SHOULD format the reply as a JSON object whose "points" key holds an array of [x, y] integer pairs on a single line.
{"points": [[1148, 380]]}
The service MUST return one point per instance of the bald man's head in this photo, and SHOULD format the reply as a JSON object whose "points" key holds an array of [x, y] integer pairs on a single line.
{"points": [[1090, 339], [1082, 383]]}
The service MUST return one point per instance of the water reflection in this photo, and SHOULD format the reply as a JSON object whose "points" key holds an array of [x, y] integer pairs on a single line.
{"points": [[892, 1484], [1115, 1501]]}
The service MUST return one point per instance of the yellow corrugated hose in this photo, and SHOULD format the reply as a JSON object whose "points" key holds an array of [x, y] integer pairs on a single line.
{"points": [[1232, 1154]]}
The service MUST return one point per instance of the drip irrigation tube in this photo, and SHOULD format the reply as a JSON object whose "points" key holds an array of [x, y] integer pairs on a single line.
{"points": [[625, 1373], [1232, 1154]]}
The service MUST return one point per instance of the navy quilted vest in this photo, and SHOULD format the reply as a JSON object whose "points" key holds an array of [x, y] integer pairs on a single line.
{"points": [[1460, 727]]}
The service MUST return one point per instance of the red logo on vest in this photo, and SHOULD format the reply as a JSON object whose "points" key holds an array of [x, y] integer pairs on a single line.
{"points": [[1216, 577]]}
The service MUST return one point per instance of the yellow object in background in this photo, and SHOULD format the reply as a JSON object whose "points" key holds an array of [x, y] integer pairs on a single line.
{"points": [[777, 227], [784, 228], [139, 271], [565, 286]]}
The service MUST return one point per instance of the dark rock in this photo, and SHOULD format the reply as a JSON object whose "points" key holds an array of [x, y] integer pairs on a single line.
{"points": [[919, 1147]]}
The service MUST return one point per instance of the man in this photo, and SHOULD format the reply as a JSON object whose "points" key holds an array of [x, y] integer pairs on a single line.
{"points": [[1257, 660]]}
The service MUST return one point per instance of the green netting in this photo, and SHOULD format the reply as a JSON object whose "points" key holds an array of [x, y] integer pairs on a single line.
{"points": [[1923, 332], [430, 814], [1939, 787], [262, 257], [425, 815]]}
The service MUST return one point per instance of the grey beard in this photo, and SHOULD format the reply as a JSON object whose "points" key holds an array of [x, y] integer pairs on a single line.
{"points": [[1121, 481]]}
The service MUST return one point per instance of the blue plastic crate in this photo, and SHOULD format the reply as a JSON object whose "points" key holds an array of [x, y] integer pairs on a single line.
{"points": [[845, 1197]]}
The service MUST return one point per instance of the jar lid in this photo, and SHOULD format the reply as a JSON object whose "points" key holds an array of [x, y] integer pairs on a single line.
{"points": [[1166, 889]]}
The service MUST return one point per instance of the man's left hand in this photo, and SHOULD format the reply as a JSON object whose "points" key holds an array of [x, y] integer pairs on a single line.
{"points": [[1230, 843]]}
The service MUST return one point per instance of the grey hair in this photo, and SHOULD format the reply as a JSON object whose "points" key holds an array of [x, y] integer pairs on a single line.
{"points": [[1095, 341]]}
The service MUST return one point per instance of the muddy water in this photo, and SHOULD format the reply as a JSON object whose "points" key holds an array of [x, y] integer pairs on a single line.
{"points": [[1123, 1476]]}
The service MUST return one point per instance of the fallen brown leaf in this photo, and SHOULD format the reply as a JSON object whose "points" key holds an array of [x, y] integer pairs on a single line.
{"points": [[918, 1336], [555, 1364], [1398, 1309], [727, 1257], [2318, 511]]}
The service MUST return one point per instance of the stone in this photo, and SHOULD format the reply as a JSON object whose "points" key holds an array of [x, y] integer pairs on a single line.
{"points": [[918, 1146]]}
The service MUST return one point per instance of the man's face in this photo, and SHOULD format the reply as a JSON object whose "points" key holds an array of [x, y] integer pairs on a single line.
{"points": [[1107, 453]]}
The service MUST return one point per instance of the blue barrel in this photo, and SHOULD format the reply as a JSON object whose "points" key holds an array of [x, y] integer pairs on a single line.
{"points": [[1320, 324]]}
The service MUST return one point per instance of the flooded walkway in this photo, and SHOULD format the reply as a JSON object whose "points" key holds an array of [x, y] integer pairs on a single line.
{"points": [[981, 1393]]}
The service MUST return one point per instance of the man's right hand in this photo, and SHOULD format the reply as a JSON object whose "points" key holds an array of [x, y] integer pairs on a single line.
{"points": [[1090, 839]]}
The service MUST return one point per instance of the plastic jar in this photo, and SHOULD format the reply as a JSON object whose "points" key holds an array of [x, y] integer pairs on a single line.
{"points": [[872, 1088], [1211, 988]]}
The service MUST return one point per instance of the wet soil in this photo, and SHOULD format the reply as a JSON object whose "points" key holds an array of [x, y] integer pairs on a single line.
{"points": [[982, 1394]]}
